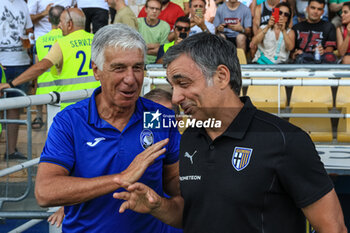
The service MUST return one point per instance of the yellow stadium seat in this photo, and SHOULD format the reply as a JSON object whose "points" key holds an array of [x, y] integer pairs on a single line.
{"points": [[241, 56], [343, 131], [266, 97], [343, 96], [319, 129], [312, 94]]}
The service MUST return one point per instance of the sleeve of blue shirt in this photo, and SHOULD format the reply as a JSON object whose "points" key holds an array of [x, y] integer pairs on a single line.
{"points": [[59, 146]]}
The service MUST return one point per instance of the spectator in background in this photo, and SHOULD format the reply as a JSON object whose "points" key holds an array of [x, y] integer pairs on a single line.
{"points": [[181, 31], [96, 13], [335, 7], [43, 44], [153, 30], [198, 22], [301, 11], [275, 40], [124, 14], [343, 34], [71, 59], [314, 36], [263, 13], [169, 12], [39, 10], [15, 23], [233, 20]]}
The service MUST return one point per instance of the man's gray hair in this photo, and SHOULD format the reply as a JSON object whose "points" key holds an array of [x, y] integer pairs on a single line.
{"points": [[115, 36], [209, 51]]}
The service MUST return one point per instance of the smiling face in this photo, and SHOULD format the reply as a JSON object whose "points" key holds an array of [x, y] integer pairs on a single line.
{"points": [[314, 11], [122, 76], [190, 88]]}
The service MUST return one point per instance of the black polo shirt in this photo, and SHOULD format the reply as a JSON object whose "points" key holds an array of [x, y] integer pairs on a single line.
{"points": [[255, 177]]}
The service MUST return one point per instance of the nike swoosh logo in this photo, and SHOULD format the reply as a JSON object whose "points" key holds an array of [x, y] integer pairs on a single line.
{"points": [[97, 140]]}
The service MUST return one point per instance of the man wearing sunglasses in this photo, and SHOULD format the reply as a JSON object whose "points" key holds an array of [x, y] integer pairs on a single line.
{"points": [[71, 56], [181, 31]]}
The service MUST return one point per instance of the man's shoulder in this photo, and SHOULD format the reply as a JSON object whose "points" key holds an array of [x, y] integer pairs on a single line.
{"points": [[74, 111], [243, 7], [274, 122], [327, 25], [301, 26], [164, 24]]}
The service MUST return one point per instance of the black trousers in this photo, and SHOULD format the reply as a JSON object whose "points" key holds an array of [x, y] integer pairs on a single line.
{"points": [[97, 16]]}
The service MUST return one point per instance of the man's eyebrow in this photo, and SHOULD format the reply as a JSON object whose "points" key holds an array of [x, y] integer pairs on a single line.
{"points": [[177, 76], [113, 65]]}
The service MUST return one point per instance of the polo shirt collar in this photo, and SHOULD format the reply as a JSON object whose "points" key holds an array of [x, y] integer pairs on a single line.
{"points": [[239, 126], [95, 119]]}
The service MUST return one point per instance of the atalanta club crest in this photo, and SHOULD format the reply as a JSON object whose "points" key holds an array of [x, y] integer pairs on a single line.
{"points": [[146, 138]]}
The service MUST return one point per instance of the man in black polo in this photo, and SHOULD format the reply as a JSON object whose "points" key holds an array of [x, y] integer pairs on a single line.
{"points": [[256, 173]]}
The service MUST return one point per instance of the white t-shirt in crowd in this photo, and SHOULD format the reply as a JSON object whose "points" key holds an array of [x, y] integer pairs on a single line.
{"points": [[14, 21], [43, 26], [195, 29], [93, 4]]}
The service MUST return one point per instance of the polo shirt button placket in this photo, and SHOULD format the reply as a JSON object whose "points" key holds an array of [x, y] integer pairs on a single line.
{"points": [[211, 147]]}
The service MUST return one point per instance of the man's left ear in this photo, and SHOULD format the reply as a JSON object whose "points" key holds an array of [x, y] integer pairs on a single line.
{"points": [[222, 77], [95, 70]]}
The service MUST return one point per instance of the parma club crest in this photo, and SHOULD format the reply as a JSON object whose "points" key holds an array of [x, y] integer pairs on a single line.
{"points": [[241, 157], [146, 138]]}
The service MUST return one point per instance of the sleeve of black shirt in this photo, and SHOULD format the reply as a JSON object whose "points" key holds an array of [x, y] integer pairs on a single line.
{"points": [[301, 171]]}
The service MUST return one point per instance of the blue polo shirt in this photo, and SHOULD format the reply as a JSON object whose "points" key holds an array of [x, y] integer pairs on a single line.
{"points": [[88, 146]]}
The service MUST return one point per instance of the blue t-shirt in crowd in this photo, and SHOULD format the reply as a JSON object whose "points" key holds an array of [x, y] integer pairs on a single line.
{"points": [[225, 15], [88, 146]]}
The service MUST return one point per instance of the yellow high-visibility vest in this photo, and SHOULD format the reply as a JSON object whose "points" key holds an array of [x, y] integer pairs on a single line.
{"points": [[43, 45], [76, 72]]}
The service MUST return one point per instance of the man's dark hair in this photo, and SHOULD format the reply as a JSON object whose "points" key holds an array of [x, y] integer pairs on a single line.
{"points": [[54, 14], [183, 19], [205, 3], [347, 4], [319, 1], [209, 51]]}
